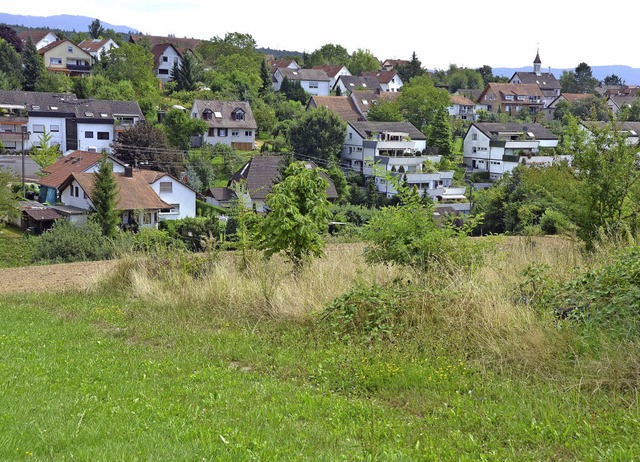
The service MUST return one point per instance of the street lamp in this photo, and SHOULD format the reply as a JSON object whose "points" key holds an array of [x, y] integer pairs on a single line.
{"points": [[25, 136]]}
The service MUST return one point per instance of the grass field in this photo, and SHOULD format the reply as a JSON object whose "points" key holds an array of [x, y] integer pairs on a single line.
{"points": [[241, 365], [14, 248]]}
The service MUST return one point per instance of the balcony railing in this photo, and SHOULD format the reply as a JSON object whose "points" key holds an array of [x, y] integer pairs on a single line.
{"points": [[13, 119], [79, 67]]}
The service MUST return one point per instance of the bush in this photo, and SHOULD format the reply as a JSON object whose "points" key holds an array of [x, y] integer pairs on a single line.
{"points": [[153, 240], [68, 242], [554, 222], [193, 231], [479, 177]]}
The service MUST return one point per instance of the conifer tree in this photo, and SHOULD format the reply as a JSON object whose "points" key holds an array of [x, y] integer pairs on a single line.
{"points": [[440, 133], [33, 66], [105, 197]]}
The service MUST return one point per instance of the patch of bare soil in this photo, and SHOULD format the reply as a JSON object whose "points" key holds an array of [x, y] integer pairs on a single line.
{"points": [[54, 278]]}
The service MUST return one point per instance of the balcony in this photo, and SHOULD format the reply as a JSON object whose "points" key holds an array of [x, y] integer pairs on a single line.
{"points": [[11, 136], [79, 67], [13, 119]]}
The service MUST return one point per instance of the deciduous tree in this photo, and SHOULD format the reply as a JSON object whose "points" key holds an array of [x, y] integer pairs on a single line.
{"points": [[318, 133]]}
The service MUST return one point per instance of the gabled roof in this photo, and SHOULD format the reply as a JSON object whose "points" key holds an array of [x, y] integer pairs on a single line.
{"points": [[492, 129], [360, 96], [180, 44], [58, 43], [355, 82], [330, 69], [515, 89], [304, 74], [461, 100], [221, 194], [226, 109], [394, 63], [134, 193], [76, 161], [343, 106], [35, 34], [93, 45], [153, 175], [158, 50], [382, 76], [261, 173], [621, 101], [545, 80], [366, 129]]}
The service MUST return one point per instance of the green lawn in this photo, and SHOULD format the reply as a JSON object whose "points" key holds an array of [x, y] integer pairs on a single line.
{"points": [[14, 248], [89, 377]]}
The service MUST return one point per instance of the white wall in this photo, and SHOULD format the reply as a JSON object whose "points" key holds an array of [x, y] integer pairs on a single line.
{"points": [[172, 56], [88, 144], [57, 137], [180, 194]]}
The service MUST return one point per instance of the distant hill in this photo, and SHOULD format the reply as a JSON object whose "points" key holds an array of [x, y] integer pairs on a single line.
{"points": [[278, 54], [63, 22], [630, 75]]}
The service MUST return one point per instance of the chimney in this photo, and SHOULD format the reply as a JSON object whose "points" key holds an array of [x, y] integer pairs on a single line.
{"points": [[128, 172]]}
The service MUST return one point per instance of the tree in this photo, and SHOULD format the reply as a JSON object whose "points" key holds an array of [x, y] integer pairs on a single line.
{"points": [[486, 72], [133, 63], [613, 80], [420, 100], [362, 61], [200, 171], [581, 80], [11, 37], [144, 144], [8, 199], [293, 90], [412, 69], [95, 29], [265, 76], [440, 133], [104, 198], [319, 133], [10, 65], [298, 216], [384, 111], [46, 153], [187, 74], [180, 128], [32, 66], [456, 78], [328, 54]]}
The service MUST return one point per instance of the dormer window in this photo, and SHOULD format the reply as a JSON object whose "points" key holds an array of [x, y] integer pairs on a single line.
{"points": [[238, 114], [207, 114], [508, 97]]}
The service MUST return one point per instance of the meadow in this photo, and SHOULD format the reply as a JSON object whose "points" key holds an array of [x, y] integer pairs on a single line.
{"points": [[220, 358]]}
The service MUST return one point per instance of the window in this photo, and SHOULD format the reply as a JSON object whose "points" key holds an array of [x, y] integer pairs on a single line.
{"points": [[69, 49], [166, 186], [88, 134], [54, 128], [146, 218], [239, 115], [508, 97], [222, 132], [313, 84], [165, 59], [207, 115], [163, 71], [350, 135], [212, 132], [248, 133], [520, 97], [474, 136], [55, 61], [103, 135], [38, 128], [235, 133], [175, 208]]}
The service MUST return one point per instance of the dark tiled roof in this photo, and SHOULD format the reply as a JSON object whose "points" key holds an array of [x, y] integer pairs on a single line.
{"points": [[226, 110], [341, 105], [330, 70], [304, 74], [355, 82], [180, 44], [365, 129], [159, 49], [261, 173], [545, 80], [491, 129], [221, 194], [382, 76], [36, 35]]}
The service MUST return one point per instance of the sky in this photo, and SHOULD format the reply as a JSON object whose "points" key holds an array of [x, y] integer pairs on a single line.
{"points": [[466, 33]]}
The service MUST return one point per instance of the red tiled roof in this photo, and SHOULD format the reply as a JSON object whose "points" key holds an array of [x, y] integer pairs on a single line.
{"points": [[77, 161]]}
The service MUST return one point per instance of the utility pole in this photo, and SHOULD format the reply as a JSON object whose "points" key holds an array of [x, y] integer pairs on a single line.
{"points": [[25, 135]]}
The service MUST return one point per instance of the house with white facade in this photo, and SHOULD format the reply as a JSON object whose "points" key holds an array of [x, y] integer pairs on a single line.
{"points": [[390, 81], [180, 196], [497, 148], [40, 38], [547, 82], [333, 72], [349, 83], [313, 81], [165, 56], [138, 204], [462, 108], [228, 122], [98, 47], [72, 123], [394, 152]]}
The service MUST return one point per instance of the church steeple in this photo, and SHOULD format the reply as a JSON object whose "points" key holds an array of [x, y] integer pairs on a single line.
{"points": [[537, 63]]}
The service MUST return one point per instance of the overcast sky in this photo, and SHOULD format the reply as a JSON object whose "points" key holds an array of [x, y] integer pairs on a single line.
{"points": [[467, 33]]}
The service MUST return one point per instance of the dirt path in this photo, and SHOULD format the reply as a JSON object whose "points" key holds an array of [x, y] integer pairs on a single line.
{"points": [[53, 278]]}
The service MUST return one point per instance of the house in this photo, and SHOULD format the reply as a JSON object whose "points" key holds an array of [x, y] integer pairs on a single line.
{"points": [[138, 204], [630, 131], [617, 102], [511, 98], [333, 72], [72, 162], [497, 148], [165, 57], [229, 122], [393, 64], [220, 197], [546, 81], [349, 83], [275, 64], [72, 123], [98, 47], [40, 38], [64, 57], [365, 99], [388, 80], [394, 149], [258, 177], [462, 108], [36, 218], [181, 44], [566, 97], [313, 81], [180, 196], [343, 106]]}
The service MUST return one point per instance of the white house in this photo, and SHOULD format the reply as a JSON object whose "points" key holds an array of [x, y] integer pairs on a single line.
{"points": [[333, 72], [137, 202], [497, 148], [97, 47], [462, 108], [181, 197], [313, 81], [350, 83], [165, 55], [40, 38], [229, 122], [390, 81]]}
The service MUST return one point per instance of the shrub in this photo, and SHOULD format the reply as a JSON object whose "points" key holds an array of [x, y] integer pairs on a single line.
{"points": [[479, 177], [554, 222], [68, 242], [193, 231], [153, 240]]}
